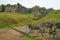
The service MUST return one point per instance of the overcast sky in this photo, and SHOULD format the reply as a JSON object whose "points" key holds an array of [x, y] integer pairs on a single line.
{"points": [[30, 3]]}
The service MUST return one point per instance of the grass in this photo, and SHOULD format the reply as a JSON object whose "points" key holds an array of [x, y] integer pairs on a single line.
{"points": [[52, 17], [15, 19], [8, 20], [28, 37], [20, 19], [2, 26]]}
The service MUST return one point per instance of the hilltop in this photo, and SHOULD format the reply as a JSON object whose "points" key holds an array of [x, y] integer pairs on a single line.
{"points": [[18, 8]]}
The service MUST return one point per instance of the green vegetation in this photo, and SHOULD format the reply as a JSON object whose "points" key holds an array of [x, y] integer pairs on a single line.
{"points": [[28, 37], [15, 19], [52, 17], [4, 26]]}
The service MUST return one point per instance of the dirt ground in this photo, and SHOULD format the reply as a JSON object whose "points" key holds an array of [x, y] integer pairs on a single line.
{"points": [[10, 34]]}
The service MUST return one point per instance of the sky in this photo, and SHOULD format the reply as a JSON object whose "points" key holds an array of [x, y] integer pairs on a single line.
{"points": [[55, 4]]}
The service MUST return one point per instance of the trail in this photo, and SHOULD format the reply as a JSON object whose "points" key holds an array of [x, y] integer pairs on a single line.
{"points": [[11, 34]]}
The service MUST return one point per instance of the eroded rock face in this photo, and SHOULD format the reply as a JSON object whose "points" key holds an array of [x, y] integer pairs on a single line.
{"points": [[9, 34], [57, 25], [46, 30]]}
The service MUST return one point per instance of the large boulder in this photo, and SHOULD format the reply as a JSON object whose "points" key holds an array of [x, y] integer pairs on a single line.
{"points": [[57, 25]]}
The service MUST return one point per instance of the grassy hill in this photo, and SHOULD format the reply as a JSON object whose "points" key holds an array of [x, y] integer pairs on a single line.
{"points": [[14, 19], [8, 20], [52, 17]]}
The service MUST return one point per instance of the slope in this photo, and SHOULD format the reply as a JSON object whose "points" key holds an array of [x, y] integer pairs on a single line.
{"points": [[52, 17]]}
